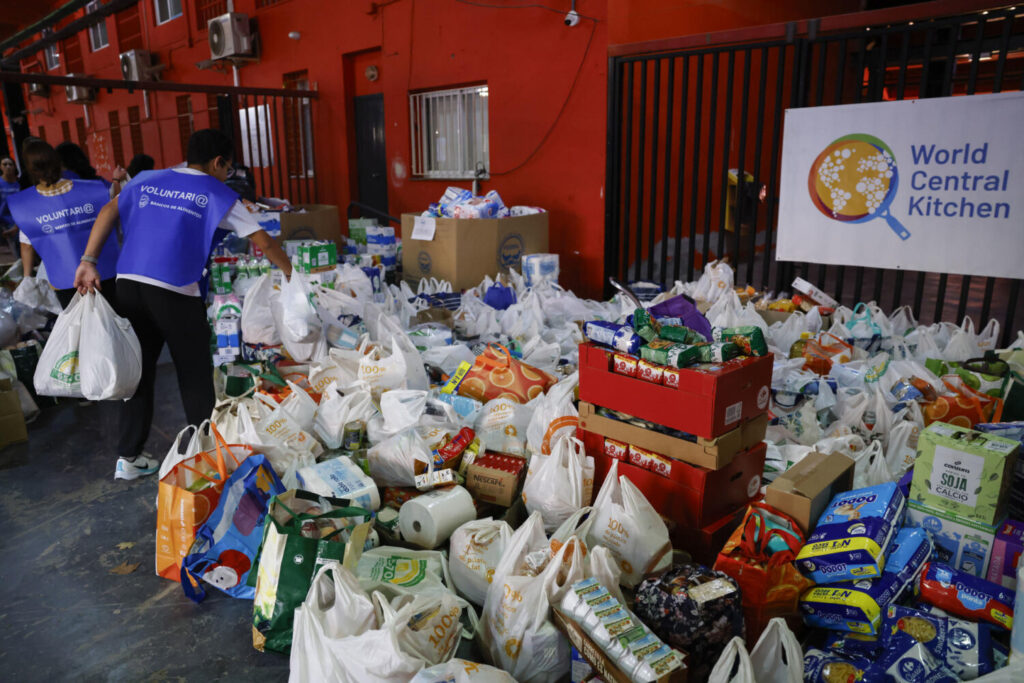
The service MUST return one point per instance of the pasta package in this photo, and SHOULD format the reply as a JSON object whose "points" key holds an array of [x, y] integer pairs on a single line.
{"points": [[829, 667], [964, 647], [907, 660], [853, 535], [965, 595]]}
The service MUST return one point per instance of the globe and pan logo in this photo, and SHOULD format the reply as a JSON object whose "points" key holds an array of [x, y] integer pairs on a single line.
{"points": [[854, 180]]}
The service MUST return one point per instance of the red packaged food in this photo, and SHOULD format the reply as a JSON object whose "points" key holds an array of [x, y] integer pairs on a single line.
{"points": [[670, 377], [624, 365], [965, 595], [641, 457], [649, 372], [616, 449], [659, 464]]}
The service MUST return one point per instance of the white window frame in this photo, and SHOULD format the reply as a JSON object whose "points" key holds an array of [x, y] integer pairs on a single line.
{"points": [[457, 135], [167, 5], [51, 54], [257, 138], [97, 29]]}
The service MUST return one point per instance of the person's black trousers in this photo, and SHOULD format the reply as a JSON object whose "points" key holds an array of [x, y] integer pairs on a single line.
{"points": [[108, 288], [160, 316]]}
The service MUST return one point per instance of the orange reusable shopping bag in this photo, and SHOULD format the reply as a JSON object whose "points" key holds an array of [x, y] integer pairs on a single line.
{"points": [[188, 493], [496, 374]]}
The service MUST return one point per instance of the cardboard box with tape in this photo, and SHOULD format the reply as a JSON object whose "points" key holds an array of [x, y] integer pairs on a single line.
{"points": [[803, 491]]}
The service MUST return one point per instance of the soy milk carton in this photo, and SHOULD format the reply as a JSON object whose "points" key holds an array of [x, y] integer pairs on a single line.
{"points": [[964, 472]]}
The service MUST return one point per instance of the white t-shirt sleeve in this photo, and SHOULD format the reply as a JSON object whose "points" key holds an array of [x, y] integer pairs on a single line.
{"points": [[239, 221], [23, 238]]}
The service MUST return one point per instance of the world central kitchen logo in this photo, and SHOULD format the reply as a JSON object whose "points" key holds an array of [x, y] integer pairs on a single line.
{"points": [[855, 179]]}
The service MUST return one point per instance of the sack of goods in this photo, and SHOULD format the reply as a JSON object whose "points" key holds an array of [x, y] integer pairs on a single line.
{"points": [[505, 482]]}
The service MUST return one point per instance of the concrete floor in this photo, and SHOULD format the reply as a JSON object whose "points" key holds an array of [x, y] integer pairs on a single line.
{"points": [[63, 615]]}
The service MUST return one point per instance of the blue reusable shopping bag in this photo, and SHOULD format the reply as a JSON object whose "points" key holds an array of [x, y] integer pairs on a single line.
{"points": [[226, 545]]}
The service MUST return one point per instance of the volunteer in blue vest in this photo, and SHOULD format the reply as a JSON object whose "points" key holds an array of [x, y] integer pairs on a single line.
{"points": [[169, 219], [55, 219]]}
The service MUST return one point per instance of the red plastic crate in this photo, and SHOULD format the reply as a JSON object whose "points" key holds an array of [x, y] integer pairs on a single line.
{"points": [[692, 497], [707, 403]]}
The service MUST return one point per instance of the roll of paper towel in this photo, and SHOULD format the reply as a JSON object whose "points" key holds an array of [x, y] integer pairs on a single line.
{"points": [[341, 478], [428, 520]]}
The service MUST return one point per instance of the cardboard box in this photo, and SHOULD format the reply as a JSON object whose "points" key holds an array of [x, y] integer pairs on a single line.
{"points": [[711, 399], [318, 222], [803, 491], [1006, 552], [691, 496], [12, 421], [317, 257], [961, 543], [495, 478], [804, 287], [602, 664], [463, 250], [964, 472], [709, 453]]}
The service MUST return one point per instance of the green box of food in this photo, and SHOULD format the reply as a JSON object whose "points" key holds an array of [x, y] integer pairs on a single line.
{"points": [[317, 257], [964, 472]]}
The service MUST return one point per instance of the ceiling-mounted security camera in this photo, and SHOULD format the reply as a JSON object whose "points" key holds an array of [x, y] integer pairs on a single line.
{"points": [[572, 18]]}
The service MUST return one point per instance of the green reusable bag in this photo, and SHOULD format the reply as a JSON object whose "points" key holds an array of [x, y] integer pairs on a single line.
{"points": [[299, 536], [988, 375]]}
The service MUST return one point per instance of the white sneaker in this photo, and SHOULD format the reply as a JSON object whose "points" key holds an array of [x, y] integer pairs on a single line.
{"points": [[144, 465]]}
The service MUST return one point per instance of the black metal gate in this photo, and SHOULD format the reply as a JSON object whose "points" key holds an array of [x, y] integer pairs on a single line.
{"points": [[681, 115]]}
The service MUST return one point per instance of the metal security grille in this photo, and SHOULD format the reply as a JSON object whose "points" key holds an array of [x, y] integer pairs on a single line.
{"points": [[694, 145], [450, 133]]}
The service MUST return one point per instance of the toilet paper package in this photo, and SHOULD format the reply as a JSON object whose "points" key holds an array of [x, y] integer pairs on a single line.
{"points": [[341, 478], [538, 268], [428, 520]]}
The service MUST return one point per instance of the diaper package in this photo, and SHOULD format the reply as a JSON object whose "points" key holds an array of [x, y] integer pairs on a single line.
{"points": [[858, 606], [853, 535], [964, 595]]}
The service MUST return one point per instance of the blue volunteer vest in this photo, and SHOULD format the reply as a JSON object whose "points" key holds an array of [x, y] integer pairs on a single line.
{"points": [[169, 220], [59, 227]]}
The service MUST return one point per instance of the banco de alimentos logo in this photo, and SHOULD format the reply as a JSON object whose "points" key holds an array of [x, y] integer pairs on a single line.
{"points": [[143, 201], [855, 180]]}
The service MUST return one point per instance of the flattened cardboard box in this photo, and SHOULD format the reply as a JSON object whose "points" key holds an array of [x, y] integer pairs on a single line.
{"points": [[464, 250], [710, 453], [803, 491]]}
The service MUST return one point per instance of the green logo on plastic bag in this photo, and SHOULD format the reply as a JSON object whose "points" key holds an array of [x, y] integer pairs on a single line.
{"points": [[66, 369], [401, 571]]}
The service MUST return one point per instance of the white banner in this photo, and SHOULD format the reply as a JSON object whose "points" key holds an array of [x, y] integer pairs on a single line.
{"points": [[934, 185]]}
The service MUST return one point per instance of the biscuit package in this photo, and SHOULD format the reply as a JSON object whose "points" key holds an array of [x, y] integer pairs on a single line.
{"points": [[853, 535]]}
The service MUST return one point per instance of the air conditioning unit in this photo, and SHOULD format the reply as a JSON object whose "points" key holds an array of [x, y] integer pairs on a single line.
{"points": [[136, 65], [230, 35], [40, 89], [79, 94]]}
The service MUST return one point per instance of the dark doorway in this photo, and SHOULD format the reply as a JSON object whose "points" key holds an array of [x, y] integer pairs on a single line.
{"points": [[371, 166]]}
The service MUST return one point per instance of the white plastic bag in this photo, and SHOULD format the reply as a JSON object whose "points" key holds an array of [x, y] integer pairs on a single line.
{"points": [[37, 293], [476, 547], [335, 610], [109, 355], [335, 411], [501, 425], [382, 371], [602, 566], [777, 657], [300, 322], [963, 345], [401, 573], [199, 439], [57, 373], [733, 666], [628, 525], [902, 449], [869, 467], [556, 484], [516, 629], [462, 671], [257, 323], [554, 417], [393, 461]]}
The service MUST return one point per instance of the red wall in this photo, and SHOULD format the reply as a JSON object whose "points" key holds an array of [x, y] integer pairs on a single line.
{"points": [[547, 88]]}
